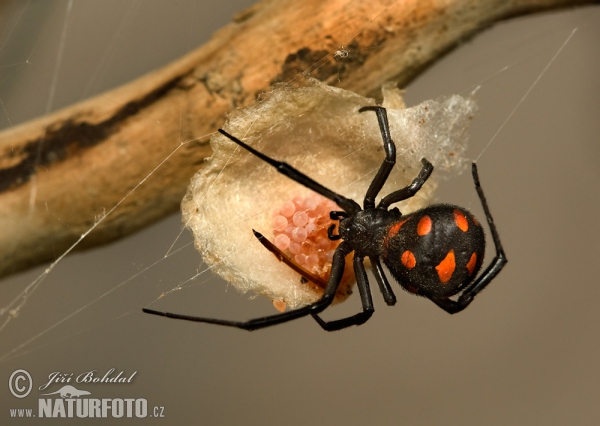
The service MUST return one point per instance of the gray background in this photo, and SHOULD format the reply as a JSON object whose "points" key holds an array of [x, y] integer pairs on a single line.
{"points": [[526, 352]]}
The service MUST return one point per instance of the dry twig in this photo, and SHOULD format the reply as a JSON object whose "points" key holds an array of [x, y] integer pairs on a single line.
{"points": [[89, 156]]}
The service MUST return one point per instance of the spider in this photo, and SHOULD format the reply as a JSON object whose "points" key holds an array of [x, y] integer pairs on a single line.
{"points": [[435, 252]]}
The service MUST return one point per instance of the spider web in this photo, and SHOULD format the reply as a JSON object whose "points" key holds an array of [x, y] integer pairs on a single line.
{"points": [[78, 295], [538, 321]]}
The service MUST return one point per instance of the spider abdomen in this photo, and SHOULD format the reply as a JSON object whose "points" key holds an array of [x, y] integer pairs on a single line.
{"points": [[436, 251]]}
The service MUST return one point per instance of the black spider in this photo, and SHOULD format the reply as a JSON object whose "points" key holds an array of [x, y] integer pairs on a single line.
{"points": [[435, 252]]}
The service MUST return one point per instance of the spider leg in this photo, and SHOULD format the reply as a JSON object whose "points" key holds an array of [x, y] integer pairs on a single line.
{"points": [[384, 285], [337, 270], [410, 190], [365, 298], [337, 215], [490, 272], [390, 156], [285, 259], [331, 235], [350, 206]]}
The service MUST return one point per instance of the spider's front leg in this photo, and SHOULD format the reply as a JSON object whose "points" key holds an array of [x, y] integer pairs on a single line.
{"points": [[390, 156], [349, 206], [410, 190], [388, 164]]}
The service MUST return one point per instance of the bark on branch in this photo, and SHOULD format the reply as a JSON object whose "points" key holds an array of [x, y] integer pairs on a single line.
{"points": [[60, 173]]}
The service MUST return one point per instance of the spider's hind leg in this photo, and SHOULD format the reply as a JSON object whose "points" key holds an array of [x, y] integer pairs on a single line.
{"points": [[490, 272]]}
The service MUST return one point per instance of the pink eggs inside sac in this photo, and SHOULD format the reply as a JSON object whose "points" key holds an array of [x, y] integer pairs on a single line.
{"points": [[299, 228]]}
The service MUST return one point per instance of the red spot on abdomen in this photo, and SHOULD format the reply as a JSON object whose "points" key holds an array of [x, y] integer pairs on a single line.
{"points": [[424, 226], [461, 220], [408, 259], [472, 263], [395, 228], [392, 232], [446, 267]]}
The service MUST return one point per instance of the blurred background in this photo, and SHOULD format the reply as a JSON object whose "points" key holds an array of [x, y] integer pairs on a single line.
{"points": [[525, 352]]}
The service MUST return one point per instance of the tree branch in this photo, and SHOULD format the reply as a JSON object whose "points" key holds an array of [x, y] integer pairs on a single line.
{"points": [[78, 163]]}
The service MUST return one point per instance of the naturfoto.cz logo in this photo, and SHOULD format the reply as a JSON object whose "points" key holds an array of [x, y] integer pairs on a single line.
{"points": [[70, 401]]}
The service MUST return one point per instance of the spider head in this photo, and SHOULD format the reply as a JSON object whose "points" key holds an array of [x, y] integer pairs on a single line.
{"points": [[365, 231]]}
